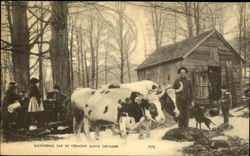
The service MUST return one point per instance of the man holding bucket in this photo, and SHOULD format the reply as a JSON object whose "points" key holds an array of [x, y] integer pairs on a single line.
{"points": [[10, 104]]}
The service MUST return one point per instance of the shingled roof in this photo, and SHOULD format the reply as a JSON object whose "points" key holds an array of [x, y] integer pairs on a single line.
{"points": [[177, 50]]}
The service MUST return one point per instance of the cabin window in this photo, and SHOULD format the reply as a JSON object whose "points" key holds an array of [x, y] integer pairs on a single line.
{"points": [[214, 56]]}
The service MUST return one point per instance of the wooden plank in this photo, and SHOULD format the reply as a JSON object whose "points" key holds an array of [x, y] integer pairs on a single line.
{"points": [[195, 62], [214, 56], [222, 49], [212, 32], [225, 58], [200, 83], [199, 55], [222, 53], [214, 40]]}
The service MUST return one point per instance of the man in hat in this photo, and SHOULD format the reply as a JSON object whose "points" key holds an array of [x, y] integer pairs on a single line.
{"points": [[184, 98], [10, 97], [58, 98], [226, 103], [23, 112]]}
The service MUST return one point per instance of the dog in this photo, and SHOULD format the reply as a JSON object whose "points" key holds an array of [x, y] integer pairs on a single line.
{"points": [[200, 118]]}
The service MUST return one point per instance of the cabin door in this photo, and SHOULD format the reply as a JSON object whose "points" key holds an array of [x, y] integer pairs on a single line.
{"points": [[200, 85], [214, 81]]}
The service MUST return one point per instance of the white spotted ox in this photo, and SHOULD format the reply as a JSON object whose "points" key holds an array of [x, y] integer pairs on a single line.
{"points": [[166, 102], [124, 106]]}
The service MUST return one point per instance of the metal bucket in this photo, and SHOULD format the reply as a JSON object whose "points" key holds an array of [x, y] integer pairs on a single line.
{"points": [[13, 107]]}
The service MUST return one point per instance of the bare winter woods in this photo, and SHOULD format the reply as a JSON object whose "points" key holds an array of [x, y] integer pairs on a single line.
{"points": [[87, 44]]}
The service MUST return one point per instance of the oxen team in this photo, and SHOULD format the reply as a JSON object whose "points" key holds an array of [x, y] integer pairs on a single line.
{"points": [[130, 106]]}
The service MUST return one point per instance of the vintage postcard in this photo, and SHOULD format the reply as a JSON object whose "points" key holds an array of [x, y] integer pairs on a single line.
{"points": [[124, 78]]}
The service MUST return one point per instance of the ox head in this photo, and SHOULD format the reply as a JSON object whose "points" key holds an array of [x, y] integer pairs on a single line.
{"points": [[160, 99], [138, 106], [168, 101], [133, 106], [153, 102], [155, 106]]}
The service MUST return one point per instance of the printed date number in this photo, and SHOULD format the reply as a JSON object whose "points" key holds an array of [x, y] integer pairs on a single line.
{"points": [[151, 146]]}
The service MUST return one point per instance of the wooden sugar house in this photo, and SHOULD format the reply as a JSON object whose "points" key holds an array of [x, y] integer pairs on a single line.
{"points": [[210, 59]]}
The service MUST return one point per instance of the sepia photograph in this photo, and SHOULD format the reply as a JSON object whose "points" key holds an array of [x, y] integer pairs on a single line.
{"points": [[125, 78]]}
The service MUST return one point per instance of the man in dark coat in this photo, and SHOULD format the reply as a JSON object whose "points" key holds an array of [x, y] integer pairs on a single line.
{"points": [[184, 98], [58, 98], [10, 97], [23, 112]]}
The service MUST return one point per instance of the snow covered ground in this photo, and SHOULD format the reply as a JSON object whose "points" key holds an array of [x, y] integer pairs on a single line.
{"points": [[113, 145]]}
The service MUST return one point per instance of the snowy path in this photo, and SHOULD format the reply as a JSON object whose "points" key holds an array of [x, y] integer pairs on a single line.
{"points": [[133, 145], [151, 146]]}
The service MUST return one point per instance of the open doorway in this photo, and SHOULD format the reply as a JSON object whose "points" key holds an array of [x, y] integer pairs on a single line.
{"points": [[214, 78]]}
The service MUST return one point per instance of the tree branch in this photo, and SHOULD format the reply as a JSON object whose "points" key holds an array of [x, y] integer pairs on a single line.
{"points": [[39, 18], [34, 64], [38, 36], [30, 53]]}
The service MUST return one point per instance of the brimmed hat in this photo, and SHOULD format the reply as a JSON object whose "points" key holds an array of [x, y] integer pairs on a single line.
{"points": [[182, 68], [12, 84], [34, 80]]}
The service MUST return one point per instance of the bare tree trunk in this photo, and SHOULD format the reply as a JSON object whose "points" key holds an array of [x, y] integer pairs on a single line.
{"points": [[92, 50], [106, 61], [7, 56], [125, 40], [174, 28], [157, 23], [71, 56], [244, 37], [240, 38], [221, 21], [40, 49], [11, 74], [187, 9], [98, 38], [128, 67], [59, 53], [5, 68], [20, 41], [240, 44], [78, 57], [155, 28], [97, 70], [196, 7], [82, 58], [86, 66], [120, 23]]}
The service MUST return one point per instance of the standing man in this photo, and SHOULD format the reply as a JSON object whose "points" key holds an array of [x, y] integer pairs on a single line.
{"points": [[184, 98], [58, 98], [10, 97], [23, 112]]}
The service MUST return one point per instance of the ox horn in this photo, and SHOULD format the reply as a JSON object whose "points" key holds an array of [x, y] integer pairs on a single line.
{"points": [[180, 88]]}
